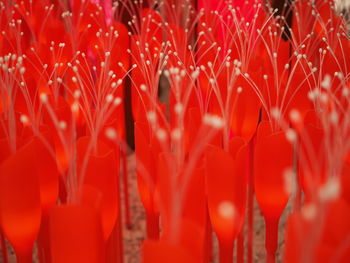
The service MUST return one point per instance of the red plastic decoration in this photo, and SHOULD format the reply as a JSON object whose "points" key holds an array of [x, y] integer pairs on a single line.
{"points": [[160, 252], [76, 234], [101, 173], [20, 206], [273, 156], [226, 186]]}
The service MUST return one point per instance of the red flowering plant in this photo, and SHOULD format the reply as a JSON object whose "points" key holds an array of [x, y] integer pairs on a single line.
{"points": [[62, 90], [323, 150], [231, 101]]}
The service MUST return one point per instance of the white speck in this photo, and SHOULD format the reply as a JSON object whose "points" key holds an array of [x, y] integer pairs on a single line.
{"points": [[151, 116], [178, 108], [227, 210], [294, 115], [24, 119], [161, 134], [109, 98], [275, 113], [326, 83], [176, 134], [309, 211], [62, 125], [313, 94], [75, 107], [213, 120], [195, 74], [237, 71], [334, 117], [111, 133], [77, 94], [43, 98], [330, 190], [291, 135], [117, 101], [143, 87]]}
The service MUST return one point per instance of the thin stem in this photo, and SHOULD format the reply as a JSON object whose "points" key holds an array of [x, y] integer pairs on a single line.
{"points": [[271, 239], [226, 251], [251, 202], [24, 256]]}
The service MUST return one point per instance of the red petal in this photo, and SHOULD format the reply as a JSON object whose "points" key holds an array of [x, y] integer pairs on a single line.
{"points": [[226, 193], [160, 252], [102, 173], [273, 155], [20, 207], [76, 235]]}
